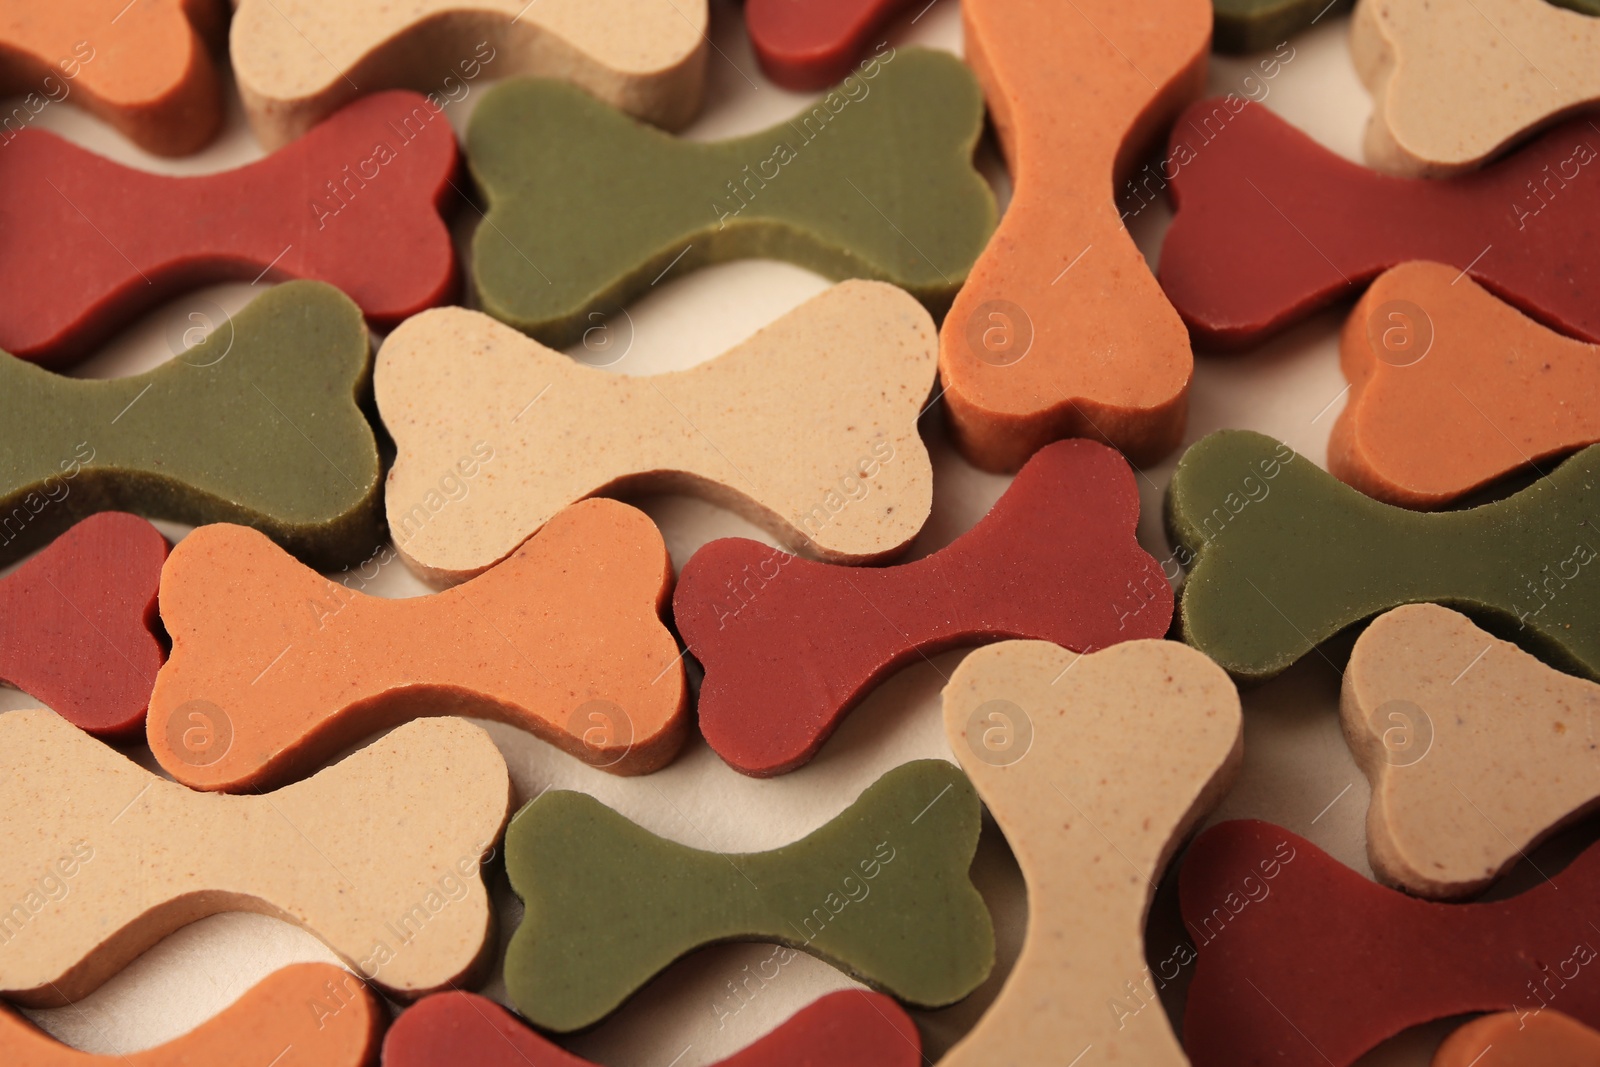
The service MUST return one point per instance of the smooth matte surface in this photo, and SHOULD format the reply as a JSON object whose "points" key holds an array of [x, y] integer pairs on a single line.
{"points": [[1282, 557], [91, 244], [1096, 767], [1062, 330], [881, 892], [1509, 1039], [1451, 388], [565, 639], [589, 209], [809, 428], [1271, 226], [258, 423], [1259, 25], [362, 855], [790, 646], [78, 624], [1304, 962], [807, 45]]}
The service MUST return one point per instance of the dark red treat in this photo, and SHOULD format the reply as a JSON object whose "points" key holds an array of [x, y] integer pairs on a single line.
{"points": [[851, 1028], [790, 645], [1271, 226], [807, 45], [77, 620], [1305, 963], [89, 244]]}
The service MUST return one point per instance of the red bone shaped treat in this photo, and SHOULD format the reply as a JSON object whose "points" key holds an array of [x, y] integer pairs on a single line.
{"points": [[89, 243], [789, 645], [1271, 226], [809, 45], [850, 1028], [76, 623], [1305, 963]]}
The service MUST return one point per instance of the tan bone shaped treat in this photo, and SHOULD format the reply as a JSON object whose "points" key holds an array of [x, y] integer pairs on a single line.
{"points": [[1476, 750], [377, 856], [1096, 767], [1456, 82], [808, 428], [298, 61]]}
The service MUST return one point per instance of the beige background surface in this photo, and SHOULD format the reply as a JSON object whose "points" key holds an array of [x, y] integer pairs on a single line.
{"points": [[1297, 771]]}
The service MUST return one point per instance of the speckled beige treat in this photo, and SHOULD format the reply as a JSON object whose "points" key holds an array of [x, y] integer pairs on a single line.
{"points": [[808, 428], [1456, 82], [378, 856], [1096, 767], [298, 61], [1476, 751]]}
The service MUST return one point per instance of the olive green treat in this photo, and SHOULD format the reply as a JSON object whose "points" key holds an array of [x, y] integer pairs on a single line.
{"points": [[589, 208], [1262, 25], [880, 892], [257, 424], [1283, 557]]}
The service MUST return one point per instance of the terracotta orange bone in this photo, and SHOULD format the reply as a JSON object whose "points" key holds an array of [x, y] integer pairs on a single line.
{"points": [[1061, 330], [274, 667]]}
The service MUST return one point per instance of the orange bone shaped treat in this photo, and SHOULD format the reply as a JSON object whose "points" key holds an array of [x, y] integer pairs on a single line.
{"points": [[1061, 329], [1544, 1038], [142, 67], [305, 1015], [1451, 388], [274, 668]]}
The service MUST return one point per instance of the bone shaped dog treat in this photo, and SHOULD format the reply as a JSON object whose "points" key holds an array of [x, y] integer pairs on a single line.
{"points": [[588, 208], [863, 352], [1505, 1039], [1061, 330], [849, 1028], [1282, 556], [1454, 82], [1271, 226], [144, 68], [91, 244], [811, 44], [881, 892], [1476, 750], [1096, 767], [789, 646], [377, 856], [305, 1015], [299, 60], [1259, 25], [1451, 388], [1304, 962], [77, 622], [257, 423], [564, 639]]}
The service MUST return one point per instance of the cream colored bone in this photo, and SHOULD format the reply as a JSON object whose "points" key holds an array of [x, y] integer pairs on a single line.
{"points": [[1456, 82], [1476, 750], [103, 858], [809, 428], [298, 61], [1130, 747]]}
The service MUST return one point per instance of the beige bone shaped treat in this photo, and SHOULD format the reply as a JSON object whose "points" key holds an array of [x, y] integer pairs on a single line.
{"points": [[1476, 750], [299, 61], [1096, 767], [809, 428], [378, 856], [1455, 82]]}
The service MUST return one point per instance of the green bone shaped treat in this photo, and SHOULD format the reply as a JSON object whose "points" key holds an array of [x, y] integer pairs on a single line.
{"points": [[589, 208], [258, 424], [881, 892], [1283, 556]]}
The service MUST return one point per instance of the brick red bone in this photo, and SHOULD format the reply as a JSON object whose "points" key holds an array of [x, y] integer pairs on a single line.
{"points": [[1270, 226], [89, 243], [790, 645], [813, 44], [1316, 965], [77, 623], [850, 1028]]}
